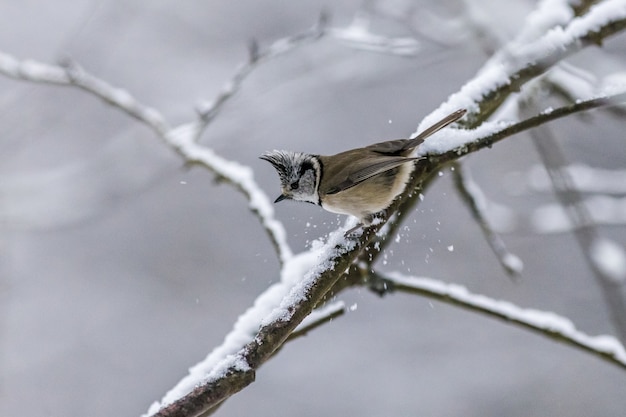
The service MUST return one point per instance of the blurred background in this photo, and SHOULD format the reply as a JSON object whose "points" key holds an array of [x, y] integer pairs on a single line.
{"points": [[120, 267]]}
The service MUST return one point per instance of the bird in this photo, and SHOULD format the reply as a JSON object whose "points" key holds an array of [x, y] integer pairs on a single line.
{"points": [[359, 182]]}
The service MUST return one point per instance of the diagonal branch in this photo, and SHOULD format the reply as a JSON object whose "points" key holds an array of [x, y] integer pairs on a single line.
{"points": [[181, 139], [520, 62], [490, 133], [471, 196], [237, 371]]}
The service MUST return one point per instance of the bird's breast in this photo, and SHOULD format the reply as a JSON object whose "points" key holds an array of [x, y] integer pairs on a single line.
{"points": [[371, 196]]}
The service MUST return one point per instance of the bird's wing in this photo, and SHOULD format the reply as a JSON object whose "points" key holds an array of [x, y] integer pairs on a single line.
{"points": [[374, 167]]}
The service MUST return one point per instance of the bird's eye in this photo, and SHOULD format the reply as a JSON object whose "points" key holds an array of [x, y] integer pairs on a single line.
{"points": [[294, 185]]}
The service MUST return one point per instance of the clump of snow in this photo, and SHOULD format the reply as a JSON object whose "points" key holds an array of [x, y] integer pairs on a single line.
{"points": [[298, 274], [513, 263], [609, 258], [457, 139]]}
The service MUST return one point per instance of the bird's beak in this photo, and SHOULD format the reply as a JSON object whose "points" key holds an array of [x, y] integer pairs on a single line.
{"points": [[280, 198]]}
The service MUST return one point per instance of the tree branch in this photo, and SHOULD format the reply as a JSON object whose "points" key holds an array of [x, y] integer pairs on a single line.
{"points": [[541, 322], [181, 139], [236, 371], [524, 60], [472, 141], [471, 196]]}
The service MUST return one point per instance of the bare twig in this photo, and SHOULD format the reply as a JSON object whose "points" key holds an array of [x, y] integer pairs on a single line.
{"points": [[256, 56], [317, 318]]}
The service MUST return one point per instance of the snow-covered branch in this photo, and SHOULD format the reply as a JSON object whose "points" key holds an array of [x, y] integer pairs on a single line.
{"points": [[543, 322], [446, 146], [306, 280], [474, 199], [182, 138], [452, 144], [531, 54]]}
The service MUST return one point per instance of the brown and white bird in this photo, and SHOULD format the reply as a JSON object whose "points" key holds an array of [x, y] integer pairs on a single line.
{"points": [[360, 182]]}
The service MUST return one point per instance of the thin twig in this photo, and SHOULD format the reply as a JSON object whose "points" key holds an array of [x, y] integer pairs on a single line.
{"points": [[487, 140], [544, 323], [207, 111], [318, 317]]}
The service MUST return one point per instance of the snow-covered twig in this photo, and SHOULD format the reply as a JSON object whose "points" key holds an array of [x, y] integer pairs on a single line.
{"points": [[70, 73], [546, 323], [530, 56], [474, 199], [453, 144], [180, 138]]}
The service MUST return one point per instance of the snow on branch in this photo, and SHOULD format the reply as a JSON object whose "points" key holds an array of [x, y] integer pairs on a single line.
{"points": [[546, 323], [70, 73], [230, 371], [305, 281], [520, 62], [453, 143], [474, 198], [183, 138]]}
